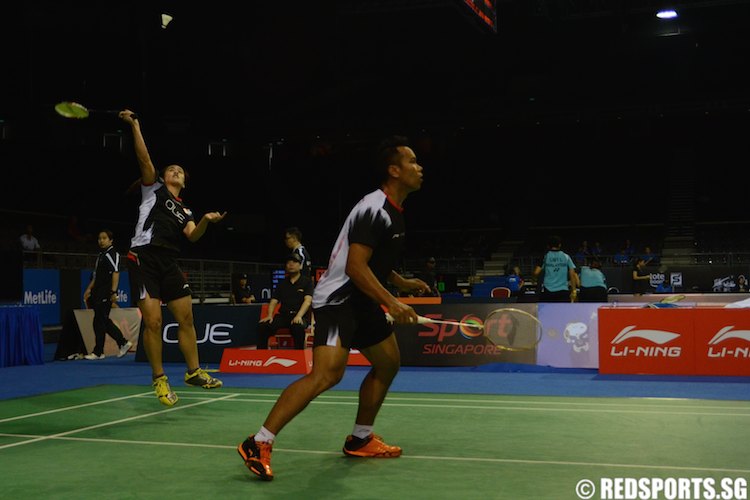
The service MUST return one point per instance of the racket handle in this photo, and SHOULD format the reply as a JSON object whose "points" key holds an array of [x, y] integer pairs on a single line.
{"points": [[421, 320]]}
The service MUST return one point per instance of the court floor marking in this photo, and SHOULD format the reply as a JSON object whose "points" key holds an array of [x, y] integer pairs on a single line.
{"points": [[741, 405], [656, 411], [566, 463], [74, 407], [114, 422]]}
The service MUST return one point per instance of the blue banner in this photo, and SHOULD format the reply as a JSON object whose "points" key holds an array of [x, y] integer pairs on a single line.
{"points": [[41, 287]]}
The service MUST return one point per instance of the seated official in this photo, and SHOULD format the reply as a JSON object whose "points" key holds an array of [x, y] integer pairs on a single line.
{"points": [[294, 293], [242, 293]]}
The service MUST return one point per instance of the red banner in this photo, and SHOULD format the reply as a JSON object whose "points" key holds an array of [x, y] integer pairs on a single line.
{"points": [[722, 342], [657, 341], [275, 361]]}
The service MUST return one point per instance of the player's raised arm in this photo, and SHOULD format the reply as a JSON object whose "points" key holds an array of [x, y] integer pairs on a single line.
{"points": [[148, 171]]}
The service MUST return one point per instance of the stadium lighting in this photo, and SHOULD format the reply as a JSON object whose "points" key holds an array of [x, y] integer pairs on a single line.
{"points": [[666, 14]]}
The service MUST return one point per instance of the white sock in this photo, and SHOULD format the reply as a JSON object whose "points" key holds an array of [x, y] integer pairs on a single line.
{"points": [[265, 436], [362, 431]]}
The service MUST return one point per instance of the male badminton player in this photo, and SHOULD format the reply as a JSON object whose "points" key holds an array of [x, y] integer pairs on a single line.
{"points": [[155, 276], [347, 306]]}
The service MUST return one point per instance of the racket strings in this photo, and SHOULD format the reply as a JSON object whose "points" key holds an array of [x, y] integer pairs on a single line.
{"points": [[512, 329]]}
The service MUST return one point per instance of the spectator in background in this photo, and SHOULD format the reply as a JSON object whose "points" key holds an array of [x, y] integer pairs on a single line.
{"points": [[629, 249], [514, 279], [293, 240], [558, 274], [641, 277], [621, 258], [294, 293], [428, 276], [649, 257], [742, 285], [593, 282], [101, 295], [241, 292], [597, 250], [28, 241]]}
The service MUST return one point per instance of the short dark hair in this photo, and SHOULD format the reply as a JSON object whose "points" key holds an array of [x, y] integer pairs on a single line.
{"points": [[388, 153], [294, 231], [109, 233]]}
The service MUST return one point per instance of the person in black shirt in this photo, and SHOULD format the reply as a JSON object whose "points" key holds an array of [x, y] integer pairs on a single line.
{"points": [[155, 276], [293, 241], [348, 304], [428, 276], [293, 295], [101, 293], [242, 293]]}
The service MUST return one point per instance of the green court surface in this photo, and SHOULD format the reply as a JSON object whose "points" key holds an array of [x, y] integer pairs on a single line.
{"points": [[117, 441]]}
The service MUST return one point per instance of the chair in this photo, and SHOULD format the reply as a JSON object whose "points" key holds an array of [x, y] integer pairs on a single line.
{"points": [[500, 292], [282, 339]]}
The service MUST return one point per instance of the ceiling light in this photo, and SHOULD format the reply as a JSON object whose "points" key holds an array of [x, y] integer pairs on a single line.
{"points": [[666, 14]]}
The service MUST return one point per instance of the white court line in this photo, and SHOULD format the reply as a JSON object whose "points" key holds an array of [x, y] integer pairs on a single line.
{"points": [[506, 408], [75, 407], [114, 422], [741, 405], [408, 457]]}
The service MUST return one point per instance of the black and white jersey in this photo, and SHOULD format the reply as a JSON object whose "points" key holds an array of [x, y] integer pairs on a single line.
{"points": [[377, 222], [107, 263], [306, 260], [161, 218]]}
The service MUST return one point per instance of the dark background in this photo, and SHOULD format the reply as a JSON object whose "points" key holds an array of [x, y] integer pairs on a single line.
{"points": [[573, 112]]}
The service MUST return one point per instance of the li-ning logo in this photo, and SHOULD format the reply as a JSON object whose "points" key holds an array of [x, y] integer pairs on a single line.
{"points": [[273, 360], [659, 337], [727, 333]]}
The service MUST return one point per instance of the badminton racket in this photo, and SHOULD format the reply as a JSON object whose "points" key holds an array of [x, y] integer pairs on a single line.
{"points": [[423, 320], [507, 328], [77, 111]]}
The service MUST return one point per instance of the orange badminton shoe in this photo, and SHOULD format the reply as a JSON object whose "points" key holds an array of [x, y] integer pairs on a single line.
{"points": [[371, 446], [257, 457]]}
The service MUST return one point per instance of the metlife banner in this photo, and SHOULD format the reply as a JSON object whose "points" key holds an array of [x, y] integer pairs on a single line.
{"points": [[216, 326], [41, 287]]}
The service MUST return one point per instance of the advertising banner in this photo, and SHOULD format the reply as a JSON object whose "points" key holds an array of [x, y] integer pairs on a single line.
{"points": [[41, 287], [722, 342], [216, 326], [450, 345], [646, 341], [569, 335]]}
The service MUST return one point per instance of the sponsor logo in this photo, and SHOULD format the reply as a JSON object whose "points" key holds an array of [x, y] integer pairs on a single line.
{"points": [[176, 210], [42, 297], [659, 337], [443, 331], [725, 334], [219, 334], [273, 360]]}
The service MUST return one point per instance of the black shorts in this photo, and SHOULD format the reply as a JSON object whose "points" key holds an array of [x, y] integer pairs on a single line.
{"points": [[155, 271], [356, 325]]}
